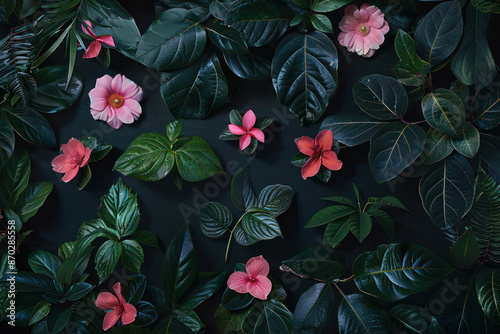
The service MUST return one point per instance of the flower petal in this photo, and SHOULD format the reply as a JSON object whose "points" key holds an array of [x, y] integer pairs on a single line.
{"points": [[349, 10], [133, 107], [110, 319], [306, 146], [324, 141], [236, 130], [93, 50], [106, 301], [245, 141], [249, 120], [70, 174], [311, 167], [129, 314], [330, 160], [117, 288], [128, 89], [115, 122], [238, 282], [257, 266], [76, 148], [104, 82], [86, 157], [124, 114], [117, 83], [257, 134], [107, 39], [62, 163], [260, 287], [88, 31]]}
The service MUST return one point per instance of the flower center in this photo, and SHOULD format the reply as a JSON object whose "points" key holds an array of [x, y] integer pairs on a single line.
{"points": [[363, 29], [115, 100]]}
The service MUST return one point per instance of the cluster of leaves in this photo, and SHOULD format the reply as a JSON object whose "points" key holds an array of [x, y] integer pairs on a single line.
{"points": [[257, 223], [391, 273], [235, 117], [447, 185], [152, 156], [348, 216]]}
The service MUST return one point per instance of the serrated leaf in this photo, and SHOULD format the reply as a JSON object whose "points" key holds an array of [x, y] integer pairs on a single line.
{"points": [[132, 255], [197, 161], [215, 219], [106, 258]]}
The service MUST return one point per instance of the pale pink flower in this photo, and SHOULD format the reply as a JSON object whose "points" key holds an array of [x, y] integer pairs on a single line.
{"points": [[254, 280], [118, 307], [363, 29], [75, 156], [95, 46], [115, 100], [247, 131]]}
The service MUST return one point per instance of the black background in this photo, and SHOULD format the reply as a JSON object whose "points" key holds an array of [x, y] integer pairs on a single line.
{"points": [[66, 208]]}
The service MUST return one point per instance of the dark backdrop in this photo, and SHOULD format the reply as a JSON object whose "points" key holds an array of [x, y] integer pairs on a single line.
{"points": [[66, 208]]}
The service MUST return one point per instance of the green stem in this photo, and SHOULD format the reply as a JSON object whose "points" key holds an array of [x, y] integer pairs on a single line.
{"points": [[345, 280], [231, 236], [364, 208]]}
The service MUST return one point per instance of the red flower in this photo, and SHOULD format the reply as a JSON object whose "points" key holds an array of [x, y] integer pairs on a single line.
{"points": [[95, 46], [254, 281], [118, 306], [247, 130], [74, 157], [320, 152]]}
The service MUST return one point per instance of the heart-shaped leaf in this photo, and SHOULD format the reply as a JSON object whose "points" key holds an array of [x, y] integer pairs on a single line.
{"points": [[352, 130], [304, 74], [260, 226], [437, 147], [444, 111], [196, 160], [467, 141], [488, 293], [359, 314], [313, 310], [215, 219], [275, 199]]}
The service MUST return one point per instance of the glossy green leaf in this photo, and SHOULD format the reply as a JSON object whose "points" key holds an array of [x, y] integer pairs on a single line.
{"points": [[465, 251], [242, 194], [106, 258], [447, 191], [395, 271], [330, 214], [146, 314], [196, 91], [275, 199], [491, 6], [304, 74], [360, 225], [381, 97], [248, 66], [314, 309], [133, 288], [321, 23], [486, 110], [352, 130], [7, 141], [410, 70], [226, 38], [488, 293], [83, 177], [394, 147], [467, 141], [359, 314], [132, 255], [147, 158], [174, 129], [31, 126], [415, 319], [235, 301], [320, 262], [204, 286], [197, 161], [439, 32], [40, 311], [229, 321], [174, 40], [437, 147], [215, 219], [219, 8], [242, 237], [98, 149], [43, 262], [387, 201], [14, 177], [79, 290], [444, 111], [260, 22], [385, 220], [268, 318], [336, 231], [325, 6], [260, 226], [340, 200]]}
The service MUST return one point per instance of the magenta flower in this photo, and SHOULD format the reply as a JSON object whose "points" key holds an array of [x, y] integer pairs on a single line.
{"points": [[363, 29], [254, 280], [118, 307], [320, 152], [74, 157], [247, 131], [115, 100], [95, 46]]}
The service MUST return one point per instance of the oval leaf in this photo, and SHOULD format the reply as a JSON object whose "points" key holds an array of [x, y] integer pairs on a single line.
{"points": [[248, 66], [467, 141], [313, 310], [260, 226], [196, 160], [275, 199], [226, 38], [437, 147], [215, 219], [444, 111], [352, 130]]}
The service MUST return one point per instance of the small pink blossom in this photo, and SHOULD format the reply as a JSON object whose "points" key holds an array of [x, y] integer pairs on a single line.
{"points": [[254, 280], [118, 307], [95, 46], [74, 157], [247, 131], [115, 100], [363, 29]]}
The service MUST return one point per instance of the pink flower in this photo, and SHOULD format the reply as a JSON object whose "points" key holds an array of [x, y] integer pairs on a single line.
{"points": [[74, 157], [254, 280], [363, 29], [95, 46], [115, 100], [118, 306], [247, 131], [320, 152]]}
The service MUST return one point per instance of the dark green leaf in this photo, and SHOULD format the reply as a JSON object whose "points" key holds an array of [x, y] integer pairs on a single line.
{"points": [[32, 282], [489, 151], [31, 126], [106, 258], [146, 314], [14, 177], [170, 325], [219, 8], [444, 111], [488, 293], [322, 23], [132, 255], [147, 238], [325, 6], [411, 70], [83, 177], [78, 291], [174, 129], [133, 288], [385, 220], [486, 110], [235, 301], [467, 141], [43, 262], [275, 199], [340, 200], [226, 38], [197, 161], [248, 66], [204, 286], [415, 319], [487, 6], [447, 190], [242, 194], [314, 309], [242, 237], [336, 231], [268, 318], [215, 219], [7, 140], [304, 74], [229, 321], [98, 149], [395, 271], [260, 226], [465, 250], [352, 130], [387, 201], [39, 312], [359, 314], [437, 147], [360, 225], [330, 214]]}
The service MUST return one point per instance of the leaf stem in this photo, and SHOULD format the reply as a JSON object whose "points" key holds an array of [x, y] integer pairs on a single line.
{"points": [[231, 235], [340, 290], [345, 280]]}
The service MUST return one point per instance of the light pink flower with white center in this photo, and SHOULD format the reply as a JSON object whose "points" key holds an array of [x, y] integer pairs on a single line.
{"points": [[75, 156], [247, 131], [115, 100], [254, 280], [363, 29]]}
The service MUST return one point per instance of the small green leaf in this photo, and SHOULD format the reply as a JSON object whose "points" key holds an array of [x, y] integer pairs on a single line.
{"points": [[40, 311], [465, 251], [235, 301], [336, 231], [275, 199], [106, 258], [325, 6], [411, 70], [322, 23], [387, 201], [467, 141], [330, 214], [174, 129], [260, 226], [437, 147], [147, 238], [360, 225], [215, 219], [132, 255], [444, 111], [197, 161]]}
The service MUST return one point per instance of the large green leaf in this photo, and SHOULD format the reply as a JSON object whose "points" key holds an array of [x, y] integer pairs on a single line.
{"points": [[106, 258], [248, 66], [488, 293], [149, 157], [439, 32], [304, 74], [320, 262], [474, 64], [7, 140], [260, 226], [467, 141], [325, 6], [487, 6], [275, 199], [330, 214], [14, 177], [415, 319], [174, 40], [219, 8], [31, 126], [32, 198], [314, 309], [381, 97], [260, 22], [447, 191], [360, 225], [31, 282], [437, 147], [270, 317], [178, 269], [465, 251], [394, 147], [50, 93], [444, 111], [39, 312], [204, 286], [215, 219], [196, 91], [410, 70], [235, 301], [359, 314], [43, 262], [395, 271], [229, 321], [352, 130], [226, 38], [486, 111], [197, 161]]}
